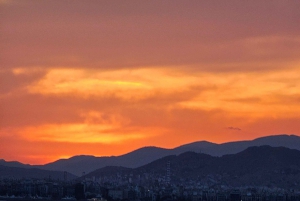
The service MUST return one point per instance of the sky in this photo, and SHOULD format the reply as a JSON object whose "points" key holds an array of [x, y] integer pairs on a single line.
{"points": [[107, 77]]}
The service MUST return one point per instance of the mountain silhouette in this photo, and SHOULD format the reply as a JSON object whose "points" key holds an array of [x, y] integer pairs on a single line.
{"points": [[83, 163], [259, 166], [28, 173]]}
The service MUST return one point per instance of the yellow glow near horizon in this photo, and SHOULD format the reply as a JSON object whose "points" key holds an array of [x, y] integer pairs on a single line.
{"points": [[124, 84], [262, 94], [242, 97], [78, 133], [94, 130], [254, 94]]}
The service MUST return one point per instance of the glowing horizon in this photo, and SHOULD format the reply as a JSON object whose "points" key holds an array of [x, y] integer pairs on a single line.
{"points": [[106, 78]]}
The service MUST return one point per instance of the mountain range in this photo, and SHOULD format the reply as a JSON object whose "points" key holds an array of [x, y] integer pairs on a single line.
{"points": [[255, 166], [35, 173], [78, 164]]}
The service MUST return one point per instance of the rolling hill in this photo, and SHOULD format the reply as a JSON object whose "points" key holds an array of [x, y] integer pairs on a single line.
{"points": [[256, 166], [32, 173], [83, 163]]}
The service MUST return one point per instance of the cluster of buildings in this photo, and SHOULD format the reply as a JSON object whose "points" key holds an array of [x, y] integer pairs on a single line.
{"points": [[130, 188], [34, 189]]}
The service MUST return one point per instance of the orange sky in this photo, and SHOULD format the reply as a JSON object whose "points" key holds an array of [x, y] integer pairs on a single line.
{"points": [[107, 77]]}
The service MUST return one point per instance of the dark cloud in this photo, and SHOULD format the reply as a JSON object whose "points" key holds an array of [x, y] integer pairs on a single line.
{"points": [[234, 128]]}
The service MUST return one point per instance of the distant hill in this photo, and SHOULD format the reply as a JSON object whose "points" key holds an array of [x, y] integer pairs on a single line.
{"points": [[79, 164], [19, 173], [14, 164], [288, 141], [260, 166]]}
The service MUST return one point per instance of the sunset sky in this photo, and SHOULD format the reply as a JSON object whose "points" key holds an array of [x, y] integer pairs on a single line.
{"points": [[106, 77]]}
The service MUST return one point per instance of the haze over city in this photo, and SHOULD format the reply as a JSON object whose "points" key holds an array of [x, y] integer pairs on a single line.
{"points": [[104, 78]]}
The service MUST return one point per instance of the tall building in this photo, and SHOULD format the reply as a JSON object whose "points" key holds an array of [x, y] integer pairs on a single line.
{"points": [[168, 172]]}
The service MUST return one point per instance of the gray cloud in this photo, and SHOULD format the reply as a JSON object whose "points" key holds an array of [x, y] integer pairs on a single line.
{"points": [[234, 128]]}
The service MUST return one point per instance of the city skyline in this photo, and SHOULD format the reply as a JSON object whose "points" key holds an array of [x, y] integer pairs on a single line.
{"points": [[105, 78]]}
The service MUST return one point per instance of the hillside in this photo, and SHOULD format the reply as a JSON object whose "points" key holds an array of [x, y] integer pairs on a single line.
{"points": [[260, 166], [79, 164], [33, 173]]}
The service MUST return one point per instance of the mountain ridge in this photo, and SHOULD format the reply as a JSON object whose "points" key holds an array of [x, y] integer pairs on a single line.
{"points": [[33, 173], [258, 166], [87, 163]]}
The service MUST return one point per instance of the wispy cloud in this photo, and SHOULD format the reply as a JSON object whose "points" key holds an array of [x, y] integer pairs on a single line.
{"points": [[234, 128], [145, 72]]}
